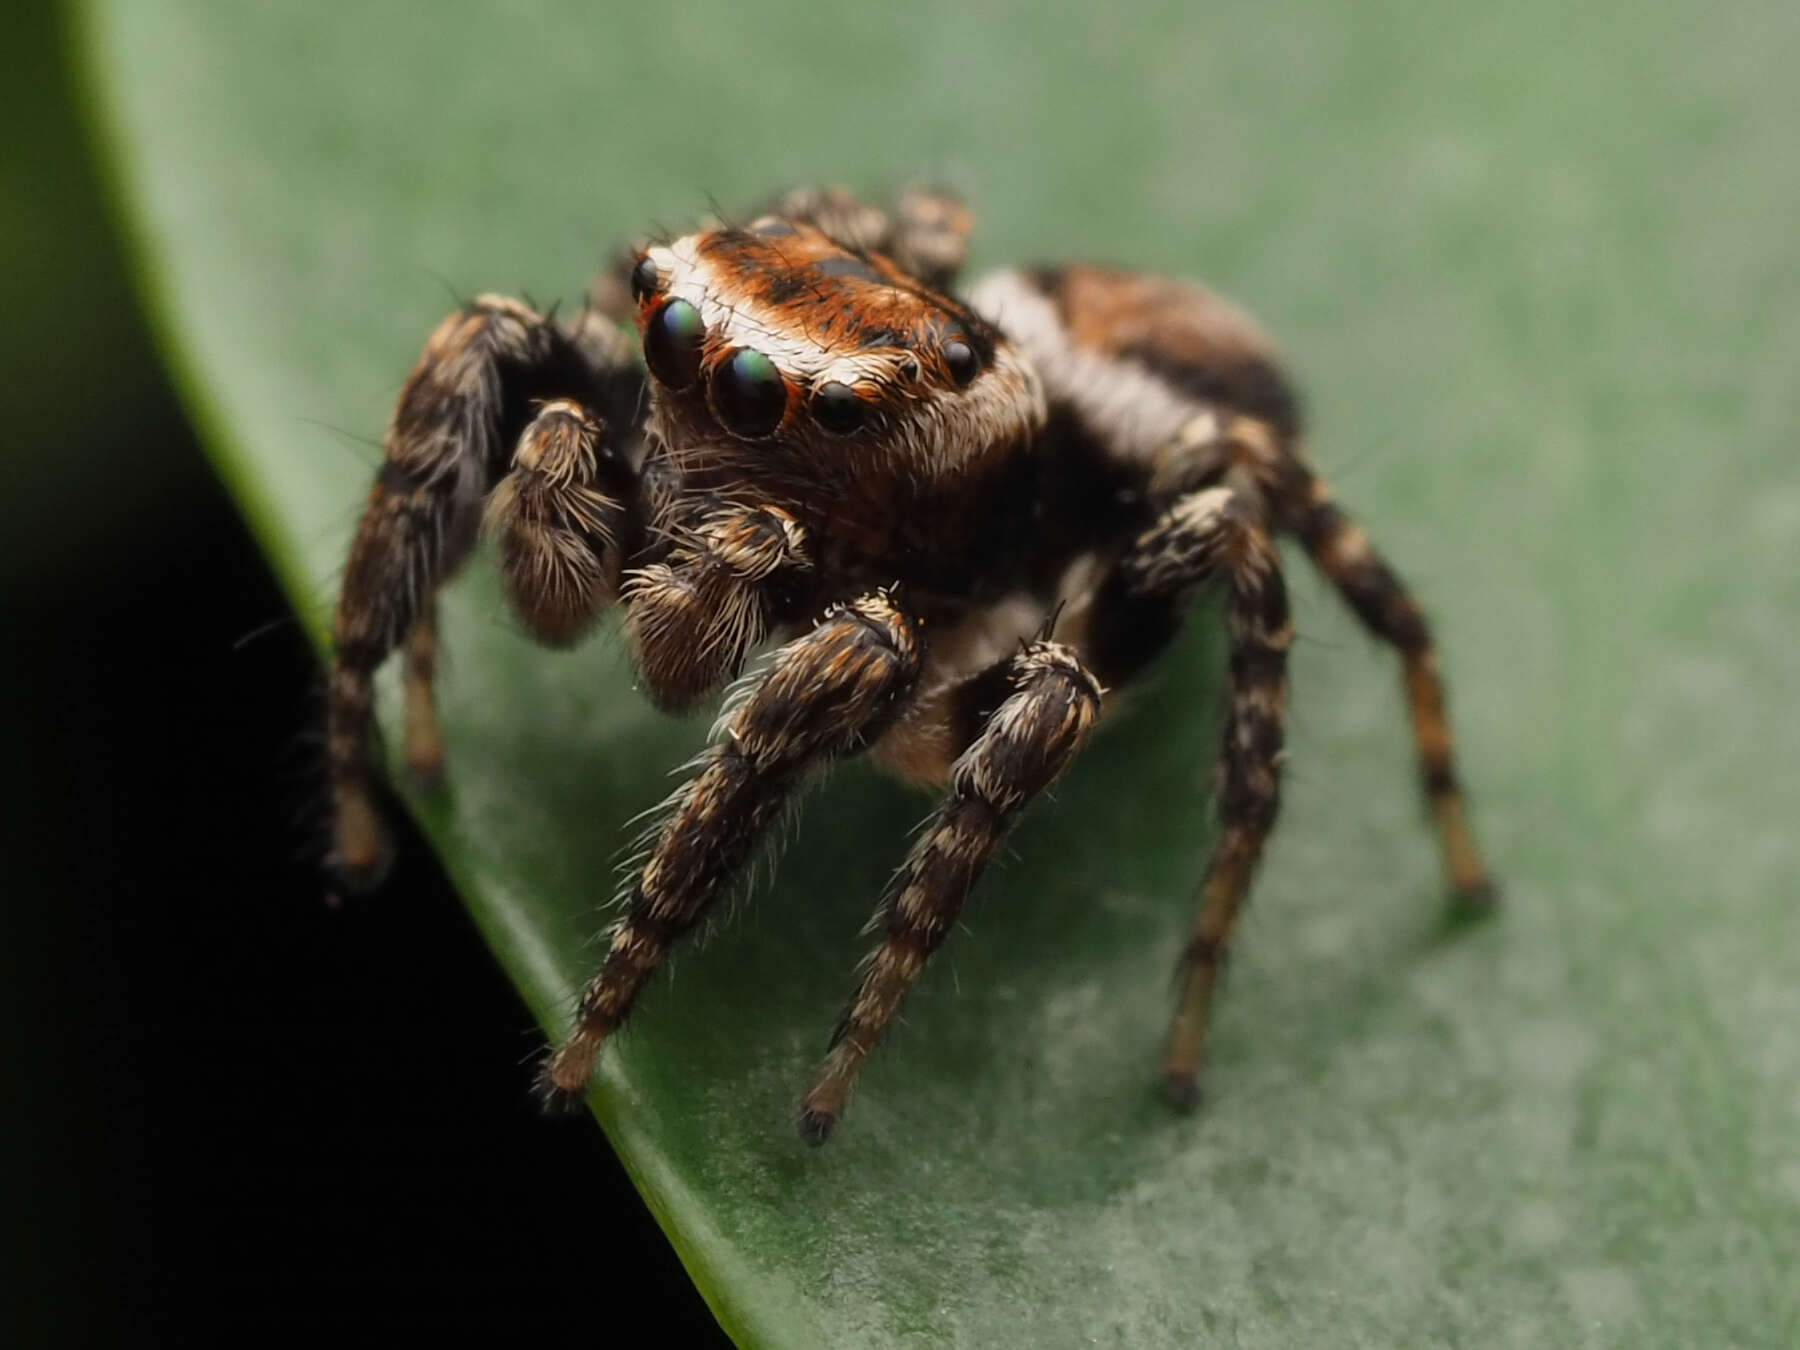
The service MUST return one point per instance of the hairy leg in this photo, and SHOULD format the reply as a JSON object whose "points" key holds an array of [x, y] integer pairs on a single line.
{"points": [[1215, 533], [1369, 586], [825, 695], [464, 404], [424, 744], [412, 535], [563, 522], [694, 617], [931, 235], [1026, 742]]}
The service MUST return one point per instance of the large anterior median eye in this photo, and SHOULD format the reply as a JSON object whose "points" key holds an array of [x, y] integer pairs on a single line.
{"points": [[673, 340], [749, 394]]}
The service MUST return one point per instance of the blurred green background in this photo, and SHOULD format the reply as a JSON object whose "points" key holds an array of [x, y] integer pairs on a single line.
{"points": [[1535, 266]]}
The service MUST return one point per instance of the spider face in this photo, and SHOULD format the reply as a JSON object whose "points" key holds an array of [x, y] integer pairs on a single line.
{"points": [[775, 341]]}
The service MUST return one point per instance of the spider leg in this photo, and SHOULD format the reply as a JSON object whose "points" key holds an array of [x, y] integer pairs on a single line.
{"points": [[1369, 586], [1026, 742], [1216, 532], [424, 743], [693, 617], [825, 694], [465, 403], [562, 521], [931, 235]]}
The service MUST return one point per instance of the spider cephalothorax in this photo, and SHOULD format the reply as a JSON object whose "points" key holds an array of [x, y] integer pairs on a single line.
{"points": [[788, 370], [964, 521]]}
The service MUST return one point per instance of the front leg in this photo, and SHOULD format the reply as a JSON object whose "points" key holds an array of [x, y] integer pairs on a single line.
{"points": [[825, 695], [693, 618], [562, 522], [1026, 743]]}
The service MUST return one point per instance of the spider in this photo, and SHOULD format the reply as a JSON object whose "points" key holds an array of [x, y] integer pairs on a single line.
{"points": [[964, 521]]}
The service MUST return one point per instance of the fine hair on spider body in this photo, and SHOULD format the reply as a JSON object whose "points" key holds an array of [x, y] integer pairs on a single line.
{"points": [[957, 520]]}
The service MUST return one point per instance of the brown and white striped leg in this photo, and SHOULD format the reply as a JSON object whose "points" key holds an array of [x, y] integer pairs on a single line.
{"points": [[1025, 744], [462, 408], [412, 534], [825, 695], [931, 235], [693, 618], [562, 522], [424, 744], [1208, 534], [1369, 586]]}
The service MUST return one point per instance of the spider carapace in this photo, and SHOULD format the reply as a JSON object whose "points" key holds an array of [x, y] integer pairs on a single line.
{"points": [[960, 522]]}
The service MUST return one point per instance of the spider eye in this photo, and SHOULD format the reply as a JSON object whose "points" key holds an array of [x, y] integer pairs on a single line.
{"points": [[960, 357], [644, 278], [837, 408], [749, 394], [672, 343]]}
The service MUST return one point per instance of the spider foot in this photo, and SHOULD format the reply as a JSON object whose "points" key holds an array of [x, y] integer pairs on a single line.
{"points": [[816, 1126], [554, 1101], [359, 863], [555, 1097], [426, 772], [562, 1079], [1475, 898], [1181, 1089]]}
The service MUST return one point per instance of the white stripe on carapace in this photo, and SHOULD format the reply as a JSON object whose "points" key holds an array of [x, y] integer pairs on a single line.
{"points": [[1120, 400]]}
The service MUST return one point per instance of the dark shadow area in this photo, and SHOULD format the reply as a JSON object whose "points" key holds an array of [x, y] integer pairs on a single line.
{"points": [[241, 1113]]}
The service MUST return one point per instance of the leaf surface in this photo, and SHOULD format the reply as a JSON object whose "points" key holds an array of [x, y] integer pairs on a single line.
{"points": [[1535, 268]]}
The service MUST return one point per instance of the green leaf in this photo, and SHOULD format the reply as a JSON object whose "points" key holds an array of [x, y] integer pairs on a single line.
{"points": [[1535, 266]]}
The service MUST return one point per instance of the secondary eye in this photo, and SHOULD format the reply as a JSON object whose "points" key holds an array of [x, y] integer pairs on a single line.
{"points": [[644, 278], [672, 343], [960, 357], [837, 408], [749, 394]]}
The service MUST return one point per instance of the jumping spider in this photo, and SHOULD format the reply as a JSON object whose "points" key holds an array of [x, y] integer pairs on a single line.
{"points": [[965, 520]]}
